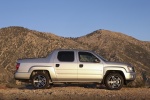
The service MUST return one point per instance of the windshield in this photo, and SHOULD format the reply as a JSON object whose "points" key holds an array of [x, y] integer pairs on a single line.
{"points": [[101, 57]]}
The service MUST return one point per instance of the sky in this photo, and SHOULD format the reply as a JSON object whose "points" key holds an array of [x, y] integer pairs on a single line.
{"points": [[75, 18]]}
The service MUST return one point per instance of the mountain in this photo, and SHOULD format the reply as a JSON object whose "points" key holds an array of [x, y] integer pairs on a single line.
{"points": [[18, 43]]}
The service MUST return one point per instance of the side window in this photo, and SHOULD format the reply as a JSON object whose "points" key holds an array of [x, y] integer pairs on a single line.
{"points": [[66, 56], [88, 57]]}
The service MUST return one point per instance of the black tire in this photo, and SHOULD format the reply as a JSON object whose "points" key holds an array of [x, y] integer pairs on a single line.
{"points": [[40, 81], [114, 81]]}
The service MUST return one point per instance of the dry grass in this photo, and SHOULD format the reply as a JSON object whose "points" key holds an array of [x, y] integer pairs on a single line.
{"points": [[75, 93]]}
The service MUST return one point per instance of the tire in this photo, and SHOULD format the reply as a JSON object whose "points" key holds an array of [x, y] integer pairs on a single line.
{"points": [[114, 81], [40, 81]]}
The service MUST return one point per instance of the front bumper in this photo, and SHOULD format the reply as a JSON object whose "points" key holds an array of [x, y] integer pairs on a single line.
{"points": [[130, 76]]}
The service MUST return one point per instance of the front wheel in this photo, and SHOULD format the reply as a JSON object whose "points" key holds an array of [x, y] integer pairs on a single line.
{"points": [[114, 81], [40, 81]]}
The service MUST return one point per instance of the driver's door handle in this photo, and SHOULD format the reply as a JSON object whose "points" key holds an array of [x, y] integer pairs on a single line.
{"points": [[81, 65]]}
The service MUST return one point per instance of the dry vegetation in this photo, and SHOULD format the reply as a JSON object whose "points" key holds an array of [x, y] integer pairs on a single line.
{"points": [[18, 43], [75, 93]]}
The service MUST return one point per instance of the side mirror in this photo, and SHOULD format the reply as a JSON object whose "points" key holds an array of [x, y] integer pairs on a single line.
{"points": [[97, 60]]}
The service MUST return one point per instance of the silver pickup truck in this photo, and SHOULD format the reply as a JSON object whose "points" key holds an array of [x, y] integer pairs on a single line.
{"points": [[74, 66]]}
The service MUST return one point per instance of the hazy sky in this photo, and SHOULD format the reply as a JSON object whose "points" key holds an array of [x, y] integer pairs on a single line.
{"points": [[74, 18]]}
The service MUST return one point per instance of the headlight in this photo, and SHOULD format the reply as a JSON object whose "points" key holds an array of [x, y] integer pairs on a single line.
{"points": [[130, 68]]}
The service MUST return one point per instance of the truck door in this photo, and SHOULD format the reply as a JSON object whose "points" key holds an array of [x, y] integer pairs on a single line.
{"points": [[66, 66], [90, 68]]}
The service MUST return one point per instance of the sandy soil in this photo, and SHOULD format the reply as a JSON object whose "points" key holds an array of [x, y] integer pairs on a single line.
{"points": [[74, 93]]}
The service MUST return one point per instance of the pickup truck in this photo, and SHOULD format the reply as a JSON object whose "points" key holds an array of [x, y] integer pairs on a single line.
{"points": [[74, 66]]}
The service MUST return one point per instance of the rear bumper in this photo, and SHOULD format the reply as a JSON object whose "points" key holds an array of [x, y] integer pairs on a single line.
{"points": [[21, 76]]}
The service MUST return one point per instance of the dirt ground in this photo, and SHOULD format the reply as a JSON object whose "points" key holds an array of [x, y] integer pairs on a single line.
{"points": [[73, 93]]}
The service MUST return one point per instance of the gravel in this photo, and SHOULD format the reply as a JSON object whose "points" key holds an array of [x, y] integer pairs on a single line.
{"points": [[74, 93]]}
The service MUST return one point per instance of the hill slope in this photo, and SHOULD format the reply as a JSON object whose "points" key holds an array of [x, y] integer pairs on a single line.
{"points": [[18, 42]]}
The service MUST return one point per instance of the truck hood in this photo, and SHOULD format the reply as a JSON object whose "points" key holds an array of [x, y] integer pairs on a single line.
{"points": [[115, 64], [31, 60]]}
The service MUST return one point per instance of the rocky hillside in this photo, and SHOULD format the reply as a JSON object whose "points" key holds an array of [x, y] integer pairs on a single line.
{"points": [[18, 42]]}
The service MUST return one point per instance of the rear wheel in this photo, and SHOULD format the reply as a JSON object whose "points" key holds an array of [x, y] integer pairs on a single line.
{"points": [[114, 81], [40, 81]]}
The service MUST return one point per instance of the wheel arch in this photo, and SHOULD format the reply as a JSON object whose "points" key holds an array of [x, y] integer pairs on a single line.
{"points": [[114, 71], [44, 69], [40, 71]]}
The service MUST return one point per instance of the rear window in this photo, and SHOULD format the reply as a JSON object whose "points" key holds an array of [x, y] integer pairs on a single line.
{"points": [[66, 56]]}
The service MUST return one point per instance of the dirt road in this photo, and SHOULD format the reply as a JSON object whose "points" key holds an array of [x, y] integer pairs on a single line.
{"points": [[74, 93]]}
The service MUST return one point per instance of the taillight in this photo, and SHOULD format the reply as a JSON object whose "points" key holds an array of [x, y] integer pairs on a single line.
{"points": [[17, 66]]}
